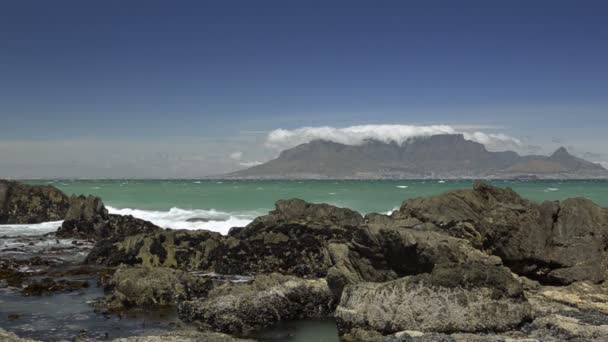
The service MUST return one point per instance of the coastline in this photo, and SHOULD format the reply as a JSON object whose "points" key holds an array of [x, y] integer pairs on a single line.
{"points": [[322, 261]]}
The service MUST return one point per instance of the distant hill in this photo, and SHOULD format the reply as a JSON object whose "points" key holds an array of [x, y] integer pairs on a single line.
{"points": [[438, 156]]}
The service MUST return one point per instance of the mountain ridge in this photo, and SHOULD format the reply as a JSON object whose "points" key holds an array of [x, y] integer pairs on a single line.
{"points": [[447, 156]]}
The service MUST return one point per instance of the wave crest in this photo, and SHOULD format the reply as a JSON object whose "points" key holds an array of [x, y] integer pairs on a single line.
{"points": [[191, 219]]}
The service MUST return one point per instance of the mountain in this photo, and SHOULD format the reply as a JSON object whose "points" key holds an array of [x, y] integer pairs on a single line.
{"points": [[438, 156]]}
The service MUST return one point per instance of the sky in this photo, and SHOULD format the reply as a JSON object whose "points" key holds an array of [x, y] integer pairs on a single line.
{"points": [[185, 89]]}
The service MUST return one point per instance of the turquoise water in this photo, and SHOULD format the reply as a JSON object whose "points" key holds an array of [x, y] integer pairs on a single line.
{"points": [[220, 205], [243, 196]]}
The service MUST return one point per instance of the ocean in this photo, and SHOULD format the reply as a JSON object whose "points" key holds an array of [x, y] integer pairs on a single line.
{"points": [[219, 205]]}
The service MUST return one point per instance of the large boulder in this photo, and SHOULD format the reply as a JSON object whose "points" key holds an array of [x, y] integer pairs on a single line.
{"points": [[152, 287], [23, 204], [452, 298], [87, 218], [243, 308], [553, 242]]}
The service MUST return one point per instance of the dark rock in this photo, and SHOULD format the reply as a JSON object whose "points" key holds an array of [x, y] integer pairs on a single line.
{"points": [[243, 308], [553, 242], [10, 273], [48, 286], [22, 204], [87, 218], [183, 249], [452, 298]]}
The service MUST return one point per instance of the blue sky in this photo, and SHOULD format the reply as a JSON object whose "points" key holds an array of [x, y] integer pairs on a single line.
{"points": [[203, 80]]}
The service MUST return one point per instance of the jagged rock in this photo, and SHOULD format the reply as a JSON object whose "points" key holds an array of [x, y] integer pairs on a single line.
{"points": [[242, 308], [152, 287], [22, 203], [452, 298], [185, 336], [87, 218], [553, 242]]}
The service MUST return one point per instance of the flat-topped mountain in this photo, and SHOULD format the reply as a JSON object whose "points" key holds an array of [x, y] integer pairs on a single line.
{"points": [[438, 156]]}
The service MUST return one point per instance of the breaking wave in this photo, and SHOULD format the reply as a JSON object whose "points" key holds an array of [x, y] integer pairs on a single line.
{"points": [[29, 229], [191, 219]]}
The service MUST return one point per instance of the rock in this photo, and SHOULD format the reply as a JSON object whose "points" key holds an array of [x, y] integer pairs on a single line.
{"points": [[47, 286], [185, 336], [6, 336], [10, 273], [577, 297], [552, 242], [87, 218], [388, 254], [242, 308], [292, 239], [183, 249], [152, 287], [23, 204], [452, 298], [568, 329]]}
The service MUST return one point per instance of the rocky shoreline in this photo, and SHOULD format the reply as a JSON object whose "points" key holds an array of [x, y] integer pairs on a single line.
{"points": [[467, 265]]}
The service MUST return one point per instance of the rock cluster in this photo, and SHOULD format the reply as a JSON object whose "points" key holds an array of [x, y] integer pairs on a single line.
{"points": [[468, 265]]}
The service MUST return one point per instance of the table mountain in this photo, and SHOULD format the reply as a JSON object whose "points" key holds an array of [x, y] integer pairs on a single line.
{"points": [[438, 156]]}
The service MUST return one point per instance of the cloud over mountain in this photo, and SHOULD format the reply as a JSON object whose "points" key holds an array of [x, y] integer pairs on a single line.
{"points": [[356, 135]]}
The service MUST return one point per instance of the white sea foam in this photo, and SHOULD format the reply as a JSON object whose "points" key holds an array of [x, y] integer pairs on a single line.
{"points": [[551, 189], [176, 218], [29, 229], [390, 212], [402, 186]]}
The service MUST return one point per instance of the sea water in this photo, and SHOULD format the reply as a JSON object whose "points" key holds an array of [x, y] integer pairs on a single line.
{"points": [[218, 205]]}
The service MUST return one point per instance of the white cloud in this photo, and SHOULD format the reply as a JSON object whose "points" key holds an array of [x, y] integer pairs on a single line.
{"points": [[250, 164], [236, 155], [356, 135]]}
